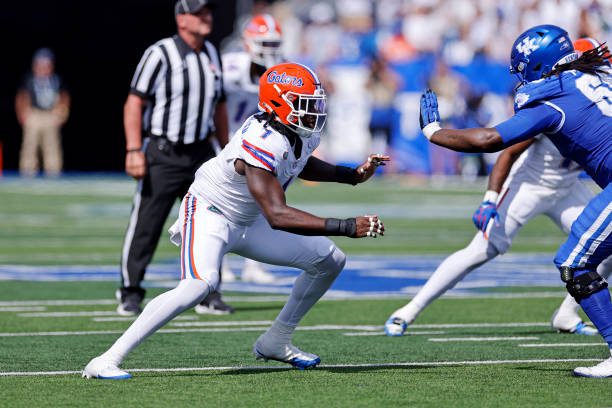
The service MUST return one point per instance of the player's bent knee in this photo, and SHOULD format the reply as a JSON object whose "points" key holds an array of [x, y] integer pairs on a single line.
{"points": [[583, 285], [193, 291], [332, 264]]}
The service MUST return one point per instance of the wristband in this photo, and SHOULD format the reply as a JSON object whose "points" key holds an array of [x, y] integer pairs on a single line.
{"points": [[430, 129], [491, 196], [346, 175], [138, 149], [335, 226]]}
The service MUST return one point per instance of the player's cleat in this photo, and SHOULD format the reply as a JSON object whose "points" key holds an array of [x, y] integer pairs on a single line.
{"points": [[571, 323], [213, 304], [255, 272], [104, 369], [585, 329], [395, 326], [285, 353], [601, 370], [129, 304]]}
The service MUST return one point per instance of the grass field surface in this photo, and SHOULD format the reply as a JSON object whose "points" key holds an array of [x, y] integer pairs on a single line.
{"points": [[82, 220], [491, 350], [461, 352]]}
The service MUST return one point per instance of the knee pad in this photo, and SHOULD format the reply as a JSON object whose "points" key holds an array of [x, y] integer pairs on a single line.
{"points": [[193, 291], [584, 285], [332, 265]]}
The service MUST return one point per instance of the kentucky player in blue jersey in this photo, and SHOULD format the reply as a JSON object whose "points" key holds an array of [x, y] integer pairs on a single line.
{"points": [[569, 99]]}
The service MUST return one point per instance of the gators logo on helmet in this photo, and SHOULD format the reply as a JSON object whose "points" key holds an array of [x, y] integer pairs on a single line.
{"points": [[293, 93]]}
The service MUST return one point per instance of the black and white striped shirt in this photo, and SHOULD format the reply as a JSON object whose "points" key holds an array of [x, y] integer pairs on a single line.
{"points": [[182, 87]]}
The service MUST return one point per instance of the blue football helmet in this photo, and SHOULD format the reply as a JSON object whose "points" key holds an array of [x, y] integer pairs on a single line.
{"points": [[538, 50]]}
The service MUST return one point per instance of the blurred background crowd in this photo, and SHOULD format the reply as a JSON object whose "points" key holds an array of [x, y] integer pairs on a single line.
{"points": [[377, 56]]}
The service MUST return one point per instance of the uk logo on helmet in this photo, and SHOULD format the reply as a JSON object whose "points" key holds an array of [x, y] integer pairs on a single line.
{"points": [[527, 46], [275, 78]]}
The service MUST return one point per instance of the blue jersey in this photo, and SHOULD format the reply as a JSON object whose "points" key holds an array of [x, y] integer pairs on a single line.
{"points": [[575, 111]]}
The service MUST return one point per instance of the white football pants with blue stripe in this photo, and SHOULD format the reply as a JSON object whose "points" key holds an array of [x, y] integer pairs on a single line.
{"points": [[589, 244], [206, 237]]}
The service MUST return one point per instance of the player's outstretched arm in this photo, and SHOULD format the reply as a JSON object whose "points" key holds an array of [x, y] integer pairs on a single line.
{"points": [[319, 170], [461, 140], [269, 195]]}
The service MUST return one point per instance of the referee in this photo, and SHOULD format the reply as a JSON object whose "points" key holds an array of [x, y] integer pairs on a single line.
{"points": [[175, 106]]}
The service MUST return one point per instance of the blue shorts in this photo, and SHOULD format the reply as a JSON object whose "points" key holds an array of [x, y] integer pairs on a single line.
{"points": [[590, 239]]}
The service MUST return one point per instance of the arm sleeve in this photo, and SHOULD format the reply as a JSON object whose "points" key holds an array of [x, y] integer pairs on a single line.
{"points": [[147, 76], [528, 122], [263, 150]]}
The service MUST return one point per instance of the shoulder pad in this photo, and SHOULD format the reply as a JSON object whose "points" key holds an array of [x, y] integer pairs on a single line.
{"points": [[542, 89], [262, 146]]}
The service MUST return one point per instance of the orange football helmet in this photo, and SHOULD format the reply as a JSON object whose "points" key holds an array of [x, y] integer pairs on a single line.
{"points": [[263, 39], [293, 93], [586, 44]]}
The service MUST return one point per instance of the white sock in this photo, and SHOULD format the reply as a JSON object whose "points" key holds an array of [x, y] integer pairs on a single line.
{"points": [[451, 270], [605, 268], [281, 332], [157, 313], [570, 307], [307, 290]]}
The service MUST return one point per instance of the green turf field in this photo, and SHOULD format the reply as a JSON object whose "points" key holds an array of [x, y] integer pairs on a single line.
{"points": [[472, 352], [437, 364], [82, 221]]}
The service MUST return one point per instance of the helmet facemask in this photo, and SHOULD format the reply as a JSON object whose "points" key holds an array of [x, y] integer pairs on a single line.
{"points": [[264, 52], [308, 112]]}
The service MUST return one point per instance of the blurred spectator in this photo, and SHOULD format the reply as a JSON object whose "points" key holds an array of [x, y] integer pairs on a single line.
{"points": [[42, 105], [382, 86], [455, 46]]}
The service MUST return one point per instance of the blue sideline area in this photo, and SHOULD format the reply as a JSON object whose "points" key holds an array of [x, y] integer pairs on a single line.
{"points": [[363, 275]]}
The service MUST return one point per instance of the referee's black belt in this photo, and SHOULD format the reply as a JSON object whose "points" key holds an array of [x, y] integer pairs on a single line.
{"points": [[164, 144]]}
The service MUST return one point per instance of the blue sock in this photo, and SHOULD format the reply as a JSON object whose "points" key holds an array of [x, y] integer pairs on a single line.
{"points": [[598, 308]]}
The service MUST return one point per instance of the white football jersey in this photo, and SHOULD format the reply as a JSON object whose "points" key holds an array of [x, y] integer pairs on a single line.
{"points": [[258, 145], [542, 164], [241, 90]]}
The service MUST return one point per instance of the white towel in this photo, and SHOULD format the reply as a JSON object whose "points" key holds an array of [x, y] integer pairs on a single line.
{"points": [[175, 233]]}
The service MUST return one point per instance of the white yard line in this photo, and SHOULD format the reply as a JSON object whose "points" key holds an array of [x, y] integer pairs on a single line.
{"points": [[22, 308], [500, 338], [321, 367], [282, 298], [209, 327], [191, 330], [407, 334], [132, 318], [479, 325], [90, 302], [225, 323], [563, 345], [70, 314]]}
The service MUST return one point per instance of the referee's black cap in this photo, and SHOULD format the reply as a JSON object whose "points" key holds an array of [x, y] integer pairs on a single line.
{"points": [[192, 6]]}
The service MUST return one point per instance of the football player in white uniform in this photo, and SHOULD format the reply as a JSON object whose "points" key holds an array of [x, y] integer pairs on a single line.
{"points": [[237, 204], [262, 39], [541, 182], [533, 178]]}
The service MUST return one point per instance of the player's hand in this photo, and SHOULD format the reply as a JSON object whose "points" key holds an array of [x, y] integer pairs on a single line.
{"points": [[486, 212], [369, 226], [429, 109], [135, 164], [367, 169]]}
